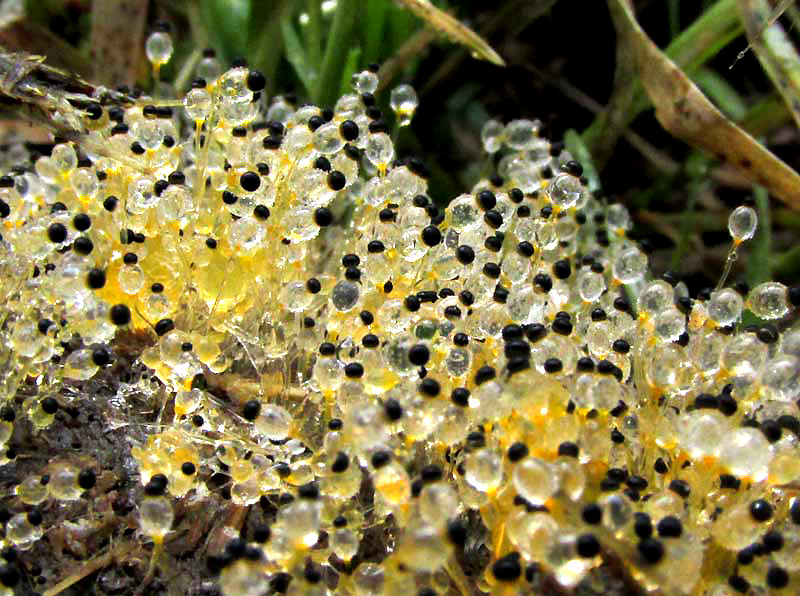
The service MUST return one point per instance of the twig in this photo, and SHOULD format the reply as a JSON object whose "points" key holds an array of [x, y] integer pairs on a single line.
{"points": [[90, 567]]}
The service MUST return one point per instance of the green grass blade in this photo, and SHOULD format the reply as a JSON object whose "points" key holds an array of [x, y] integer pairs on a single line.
{"points": [[374, 25], [224, 21], [313, 31], [759, 263], [400, 26], [787, 265], [340, 40], [722, 93], [699, 42], [296, 55], [706, 36], [674, 15], [350, 66], [265, 42], [767, 114]]}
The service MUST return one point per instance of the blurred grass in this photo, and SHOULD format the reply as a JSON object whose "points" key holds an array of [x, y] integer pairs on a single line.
{"points": [[310, 38], [334, 58], [696, 170]]}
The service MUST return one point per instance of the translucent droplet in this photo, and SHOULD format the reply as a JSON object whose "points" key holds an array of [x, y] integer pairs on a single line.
{"points": [[492, 136], [404, 102], [464, 213], [232, 86], [768, 300], [534, 480], [365, 81], [329, 374], [295, 296], [247, 235], [742, 223], [618, 217], [735, 528], [669, 324], [744, 349], [532, 533], [298, 141], [438, 501], [630, 265], [155, 516], [130, 279], [142, 194], [701, 432], [64, 483], [32, 491], [604, 394], [79, 365], [521, 134], [781, 377], [379, 149], [158, 48], [280, 110], [345, 295], [240, 578], [84, 182], [617, 512], [655, 297], [725, 307], [47, 169], [565, 191], [484, 470], [21, 533], [458, 362], [64, 157], [238, 113], [274, 422], [208, 68], [327, 139], [197, 104], [344, 544], [591, 285], [149, 134], [746, 452], [516, 266]]}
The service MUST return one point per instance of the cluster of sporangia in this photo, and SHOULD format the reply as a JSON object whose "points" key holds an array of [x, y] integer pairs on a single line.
{"points": [[391, 363]]}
